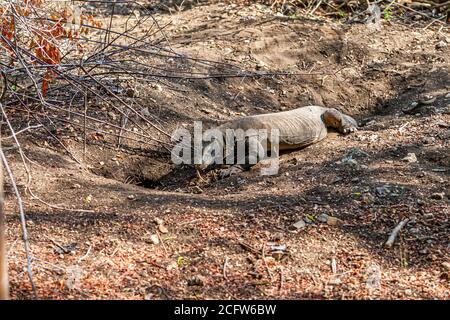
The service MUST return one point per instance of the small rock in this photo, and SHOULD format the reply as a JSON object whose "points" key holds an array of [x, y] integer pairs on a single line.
{"points": [[414, 230], [299, 224], [145, 112], [446, 265], [438, 196], [410, 157], [163, 228], [158, 221], [335, 282], [427, 99], [447, 96], [408, 292], [131, 197], [196, 281], [88, 199], [130, 92], [349, 161], [428, 140], [112, 115], [370, 123], [154, 239], [357, 153], [446, 110], [337, 179], [172, 266], [333, 221], [443, 124], [281, 247], [227, 51], [261, 65], [157, 87], [441, 45], [323, 218], [197, 190], [278, 255], [382, 191]]}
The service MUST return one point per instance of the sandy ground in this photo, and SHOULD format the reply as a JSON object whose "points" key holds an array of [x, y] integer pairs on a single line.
{"points": [[151, 230]]}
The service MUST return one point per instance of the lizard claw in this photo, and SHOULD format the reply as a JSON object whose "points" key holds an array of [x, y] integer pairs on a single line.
{"points": [[349, 130], [231, 171]]}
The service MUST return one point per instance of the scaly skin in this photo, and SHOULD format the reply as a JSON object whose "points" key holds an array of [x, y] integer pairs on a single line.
{"points": [[297, 128]]}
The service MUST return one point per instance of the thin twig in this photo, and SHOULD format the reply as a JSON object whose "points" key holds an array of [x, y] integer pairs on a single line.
{"points": [[225, 264], [395, 232], [265, 262], [22, 220]]}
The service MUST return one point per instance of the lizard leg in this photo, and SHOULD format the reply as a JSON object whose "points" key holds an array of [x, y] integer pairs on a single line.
{"points": [[243, 161], [348, 124], [339, 121], [230, 171]]}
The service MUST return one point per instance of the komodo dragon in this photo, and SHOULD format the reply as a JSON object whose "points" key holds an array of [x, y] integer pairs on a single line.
{"points": [[297, 128]]}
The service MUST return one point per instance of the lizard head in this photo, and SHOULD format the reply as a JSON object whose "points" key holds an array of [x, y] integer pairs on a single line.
{"points": [[339, 121]]}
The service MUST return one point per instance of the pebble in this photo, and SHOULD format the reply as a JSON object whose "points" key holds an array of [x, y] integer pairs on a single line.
{"points": [[196, 281], [154, 239], [446, 110], [446, 265], [356, 153], [382, 191], [299, 224], [112, 115], [145, 112], [438, 196], [443, 124], [349, 161], [410, 157], [277, 255], [333, 221], [323, 218], [130, 92], [335, 282], [371, 123], [427, 99], [441, 45], [428, 140], [197, 190], [162, 228]]}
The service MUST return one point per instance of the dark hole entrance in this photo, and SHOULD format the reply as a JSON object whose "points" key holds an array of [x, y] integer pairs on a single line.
{"points": [[147, 183]]}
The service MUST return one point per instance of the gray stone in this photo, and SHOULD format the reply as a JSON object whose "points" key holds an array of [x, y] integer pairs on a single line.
{"points": [[410, 157], [438, 196], [299, 225]]}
